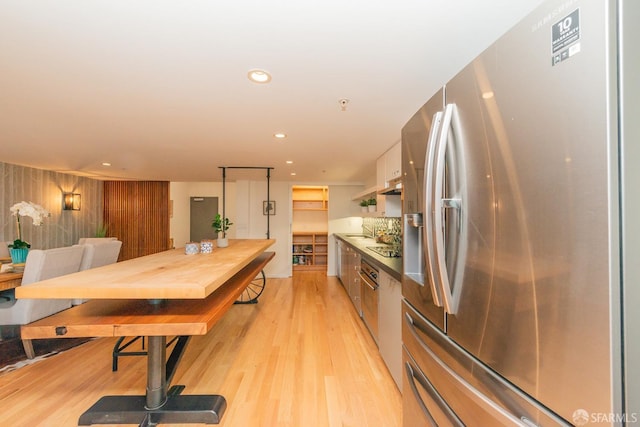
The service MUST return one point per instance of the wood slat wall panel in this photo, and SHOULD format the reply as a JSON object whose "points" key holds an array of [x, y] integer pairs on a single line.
{"points": [[137, 212]]}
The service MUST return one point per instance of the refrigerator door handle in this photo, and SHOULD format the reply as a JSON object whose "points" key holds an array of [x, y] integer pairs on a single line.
{"points": [[428, 209], [481, 399], [452, 203], [450, 304]]}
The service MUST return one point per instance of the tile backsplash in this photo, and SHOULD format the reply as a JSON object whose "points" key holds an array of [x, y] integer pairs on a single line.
{"points": [[373, 226]]}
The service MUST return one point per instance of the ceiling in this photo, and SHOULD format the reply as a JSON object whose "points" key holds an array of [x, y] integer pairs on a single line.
{"points": [[159, 88]]}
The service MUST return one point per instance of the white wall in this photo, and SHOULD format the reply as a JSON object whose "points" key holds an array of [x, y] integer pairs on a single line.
{"points": [[180, 193], [344, 217], [252, 224], [244, 209]]}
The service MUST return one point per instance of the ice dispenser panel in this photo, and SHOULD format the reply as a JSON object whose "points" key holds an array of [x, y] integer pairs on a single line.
{"points": [[412, 255]]}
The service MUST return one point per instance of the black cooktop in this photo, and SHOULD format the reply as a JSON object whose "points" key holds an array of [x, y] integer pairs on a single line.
{"points": [[387, 251]]}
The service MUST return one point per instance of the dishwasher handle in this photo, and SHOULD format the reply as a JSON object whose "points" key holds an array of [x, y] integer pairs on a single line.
{"points": [[367, 281]]}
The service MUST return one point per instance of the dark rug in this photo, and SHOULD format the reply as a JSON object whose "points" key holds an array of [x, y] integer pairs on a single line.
{"points": [[12, 351]]}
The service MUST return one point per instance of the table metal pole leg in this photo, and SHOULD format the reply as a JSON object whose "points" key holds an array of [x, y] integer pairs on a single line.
{"points": [[156, 373]]}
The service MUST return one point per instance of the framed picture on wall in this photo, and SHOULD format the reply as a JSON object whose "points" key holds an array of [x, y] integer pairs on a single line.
{"points": [[268, 207]]}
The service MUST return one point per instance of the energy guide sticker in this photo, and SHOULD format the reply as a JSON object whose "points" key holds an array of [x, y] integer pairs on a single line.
{"points": [[565, 37]]}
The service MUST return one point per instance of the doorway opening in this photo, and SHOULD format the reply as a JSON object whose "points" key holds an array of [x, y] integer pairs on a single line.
{"points": [[310, 227]]}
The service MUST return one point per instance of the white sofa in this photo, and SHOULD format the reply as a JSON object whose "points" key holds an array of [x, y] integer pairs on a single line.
{"points": [[41, 265], [4, 249], [94, 240], [97, 254]]}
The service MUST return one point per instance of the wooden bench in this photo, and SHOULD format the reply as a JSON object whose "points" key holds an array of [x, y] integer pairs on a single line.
{"points": [[155, 319]]}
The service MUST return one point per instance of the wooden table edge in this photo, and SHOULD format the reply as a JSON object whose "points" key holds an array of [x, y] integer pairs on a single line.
{"points": [[116, 318]]}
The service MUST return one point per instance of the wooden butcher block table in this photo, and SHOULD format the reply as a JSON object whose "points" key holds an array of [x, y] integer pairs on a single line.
{"points": [[159, 295]]}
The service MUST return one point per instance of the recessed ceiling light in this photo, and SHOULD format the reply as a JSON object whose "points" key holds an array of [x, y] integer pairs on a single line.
{"points": [[293, 173], [106, 164], [259, 76], [289, 162], [280, 135]]}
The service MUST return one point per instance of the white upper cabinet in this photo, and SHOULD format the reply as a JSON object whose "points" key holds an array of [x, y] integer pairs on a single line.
{"points": [[393, 163], [381, 177], [388, 168]]}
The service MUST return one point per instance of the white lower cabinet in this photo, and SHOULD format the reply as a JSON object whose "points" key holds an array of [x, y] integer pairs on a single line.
{"points": [[390, 324]]}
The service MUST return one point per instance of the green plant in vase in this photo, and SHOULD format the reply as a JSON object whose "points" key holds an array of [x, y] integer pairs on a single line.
{"points": [[363, 204], [371, 203], [221, 225]]}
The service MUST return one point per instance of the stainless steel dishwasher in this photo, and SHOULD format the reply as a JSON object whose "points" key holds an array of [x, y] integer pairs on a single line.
{"points": [[369, 289]]}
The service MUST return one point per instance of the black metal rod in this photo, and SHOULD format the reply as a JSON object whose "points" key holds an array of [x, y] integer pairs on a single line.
{"points": [[224, 197], [246, 167], [268, 201]]}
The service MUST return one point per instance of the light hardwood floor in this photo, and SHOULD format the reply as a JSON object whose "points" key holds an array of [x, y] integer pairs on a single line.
{"points": [[300, 357]]}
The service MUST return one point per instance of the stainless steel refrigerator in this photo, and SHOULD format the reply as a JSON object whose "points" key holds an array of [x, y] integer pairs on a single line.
{"points": [[514, 201]]}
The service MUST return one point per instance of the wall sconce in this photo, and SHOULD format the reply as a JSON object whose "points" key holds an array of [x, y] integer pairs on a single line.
{"points": [[70, 201]]}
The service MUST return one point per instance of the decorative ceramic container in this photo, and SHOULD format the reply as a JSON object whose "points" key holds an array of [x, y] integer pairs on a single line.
{"points": [[191, 248], [206, 246]]}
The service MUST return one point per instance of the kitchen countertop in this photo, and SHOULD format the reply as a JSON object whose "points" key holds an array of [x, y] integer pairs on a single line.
{"points": [[359, 242]]}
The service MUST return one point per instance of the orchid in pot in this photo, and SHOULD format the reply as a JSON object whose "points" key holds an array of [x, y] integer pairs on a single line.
{"points": [[19, 247], [221, 225]]}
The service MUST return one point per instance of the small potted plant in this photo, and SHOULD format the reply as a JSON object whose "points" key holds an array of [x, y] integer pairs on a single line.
{"points": [[363, 204], [371, 204], [101, 231], [221, 225]]}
